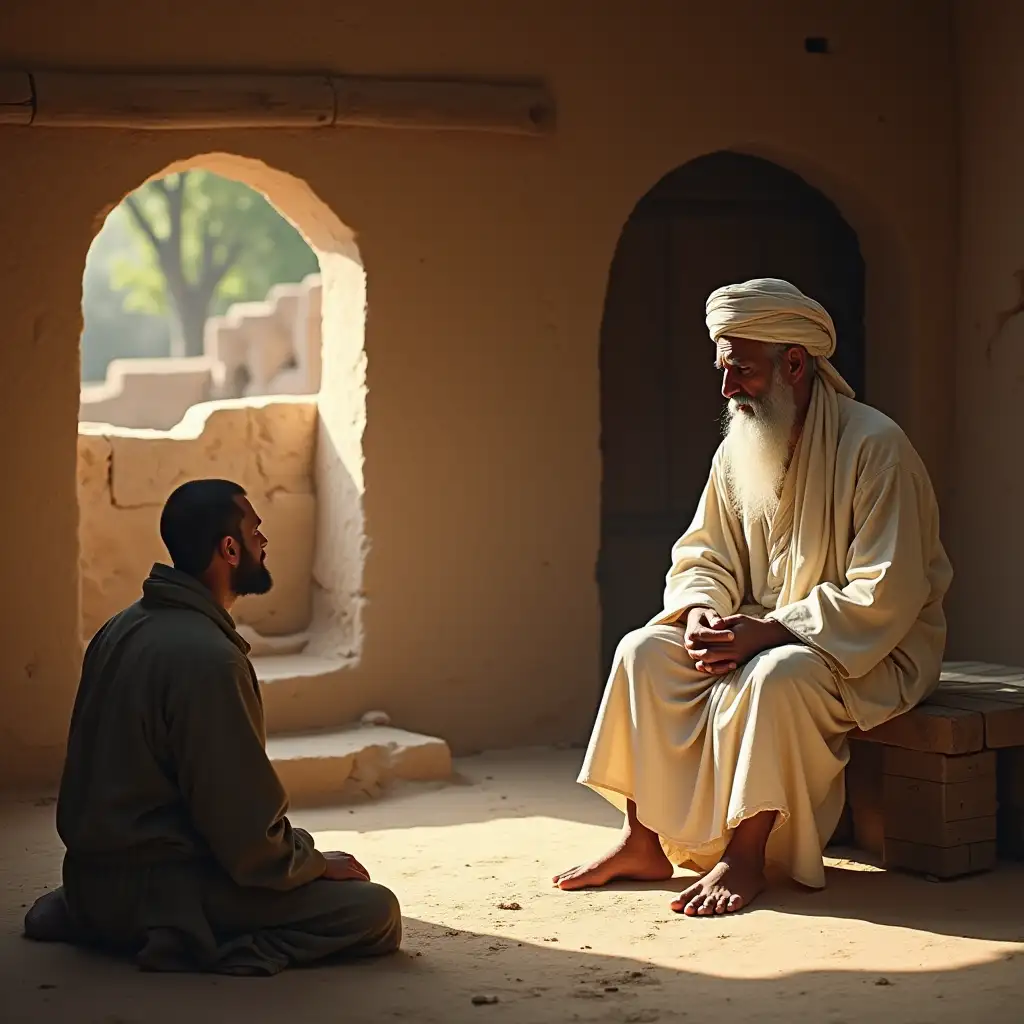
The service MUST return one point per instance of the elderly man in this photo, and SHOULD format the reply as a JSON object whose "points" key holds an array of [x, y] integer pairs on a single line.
{"points": [[804, 600], [178, 844]]}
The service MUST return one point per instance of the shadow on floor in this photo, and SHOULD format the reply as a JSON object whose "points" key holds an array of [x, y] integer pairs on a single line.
{"points": [[977, 907], [441, 969]]}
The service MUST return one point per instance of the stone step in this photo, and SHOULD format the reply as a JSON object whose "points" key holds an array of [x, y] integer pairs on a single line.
{"points": [[299, 691], [274, 669], [356, 763]]}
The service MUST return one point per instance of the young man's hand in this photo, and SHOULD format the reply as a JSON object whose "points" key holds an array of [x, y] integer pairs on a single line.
{"points": [[343, 867]]}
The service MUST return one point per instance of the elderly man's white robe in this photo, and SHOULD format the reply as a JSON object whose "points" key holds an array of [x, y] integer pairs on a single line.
{"points": [[852, 565]]}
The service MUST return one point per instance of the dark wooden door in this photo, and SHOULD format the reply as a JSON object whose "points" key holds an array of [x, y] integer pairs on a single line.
{"points": [[721, 219]]}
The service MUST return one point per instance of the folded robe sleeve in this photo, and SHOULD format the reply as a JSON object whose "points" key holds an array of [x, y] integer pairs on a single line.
{"points": [[235, 798], [708, 563], [887, 573]]}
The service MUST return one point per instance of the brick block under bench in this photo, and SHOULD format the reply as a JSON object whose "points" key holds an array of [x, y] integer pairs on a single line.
{"points": [[940, 790]]}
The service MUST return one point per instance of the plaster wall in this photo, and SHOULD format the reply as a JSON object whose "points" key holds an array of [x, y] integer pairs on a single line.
{"points": [[148, 393], [124, 478], [486, 258], [273, 346], [988, 485]]}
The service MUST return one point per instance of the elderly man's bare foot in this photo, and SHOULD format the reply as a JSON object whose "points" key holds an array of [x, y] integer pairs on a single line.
{"points": [[637, 856], [726, 888]]}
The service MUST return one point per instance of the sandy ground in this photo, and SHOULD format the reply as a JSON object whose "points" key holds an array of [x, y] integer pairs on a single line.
{"points": [[872, 947]]}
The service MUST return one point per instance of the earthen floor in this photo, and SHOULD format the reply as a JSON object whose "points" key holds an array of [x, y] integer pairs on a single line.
{"points": [[873, 946]]}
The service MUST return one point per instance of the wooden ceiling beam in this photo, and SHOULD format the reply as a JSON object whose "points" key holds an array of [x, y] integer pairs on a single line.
{"points": [[182, 101]]}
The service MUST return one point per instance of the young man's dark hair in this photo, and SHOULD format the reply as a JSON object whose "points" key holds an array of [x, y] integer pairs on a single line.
{"points": [[196, 518]]}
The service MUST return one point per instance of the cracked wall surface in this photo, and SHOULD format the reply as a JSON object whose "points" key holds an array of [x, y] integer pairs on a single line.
{"points": [[124, 477]]}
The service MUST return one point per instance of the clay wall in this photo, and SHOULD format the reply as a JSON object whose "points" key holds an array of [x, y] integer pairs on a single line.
{"points": [[463, 419]]}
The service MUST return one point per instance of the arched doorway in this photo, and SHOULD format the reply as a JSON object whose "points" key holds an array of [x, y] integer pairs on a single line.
{"points": [[721, 218]]}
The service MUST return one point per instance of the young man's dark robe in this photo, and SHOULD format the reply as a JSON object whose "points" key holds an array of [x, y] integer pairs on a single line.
{"points": [[178, 844]]}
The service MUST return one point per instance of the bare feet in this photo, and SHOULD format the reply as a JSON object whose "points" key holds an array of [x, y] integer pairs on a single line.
{"points": [[637, 856], [735, 881], [726, 888]]}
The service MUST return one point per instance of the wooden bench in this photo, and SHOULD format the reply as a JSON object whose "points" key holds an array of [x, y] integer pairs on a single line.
{"points": [[940, 789]]}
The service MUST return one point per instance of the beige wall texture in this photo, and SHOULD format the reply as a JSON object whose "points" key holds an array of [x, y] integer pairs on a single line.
{"points": [[988, 486], [148, 393], [125, 476], [271, 347], [477, 475]]}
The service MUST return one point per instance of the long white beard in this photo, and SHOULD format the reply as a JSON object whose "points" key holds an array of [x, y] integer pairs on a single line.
{"points": [[757, 439]]}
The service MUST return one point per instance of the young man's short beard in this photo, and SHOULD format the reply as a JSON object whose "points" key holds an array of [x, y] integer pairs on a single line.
{"points": [[758, 432], [250, 576]]}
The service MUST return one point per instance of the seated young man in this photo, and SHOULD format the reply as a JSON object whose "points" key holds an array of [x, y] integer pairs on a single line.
{"points": [[178, 847]]}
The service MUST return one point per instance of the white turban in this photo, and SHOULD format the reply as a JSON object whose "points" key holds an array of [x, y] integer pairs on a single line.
{"points": [[776, 312]]}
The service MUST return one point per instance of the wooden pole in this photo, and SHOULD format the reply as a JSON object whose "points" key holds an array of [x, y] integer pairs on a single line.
{"points": [[152, 102], [156, 102], [465, 106]]}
